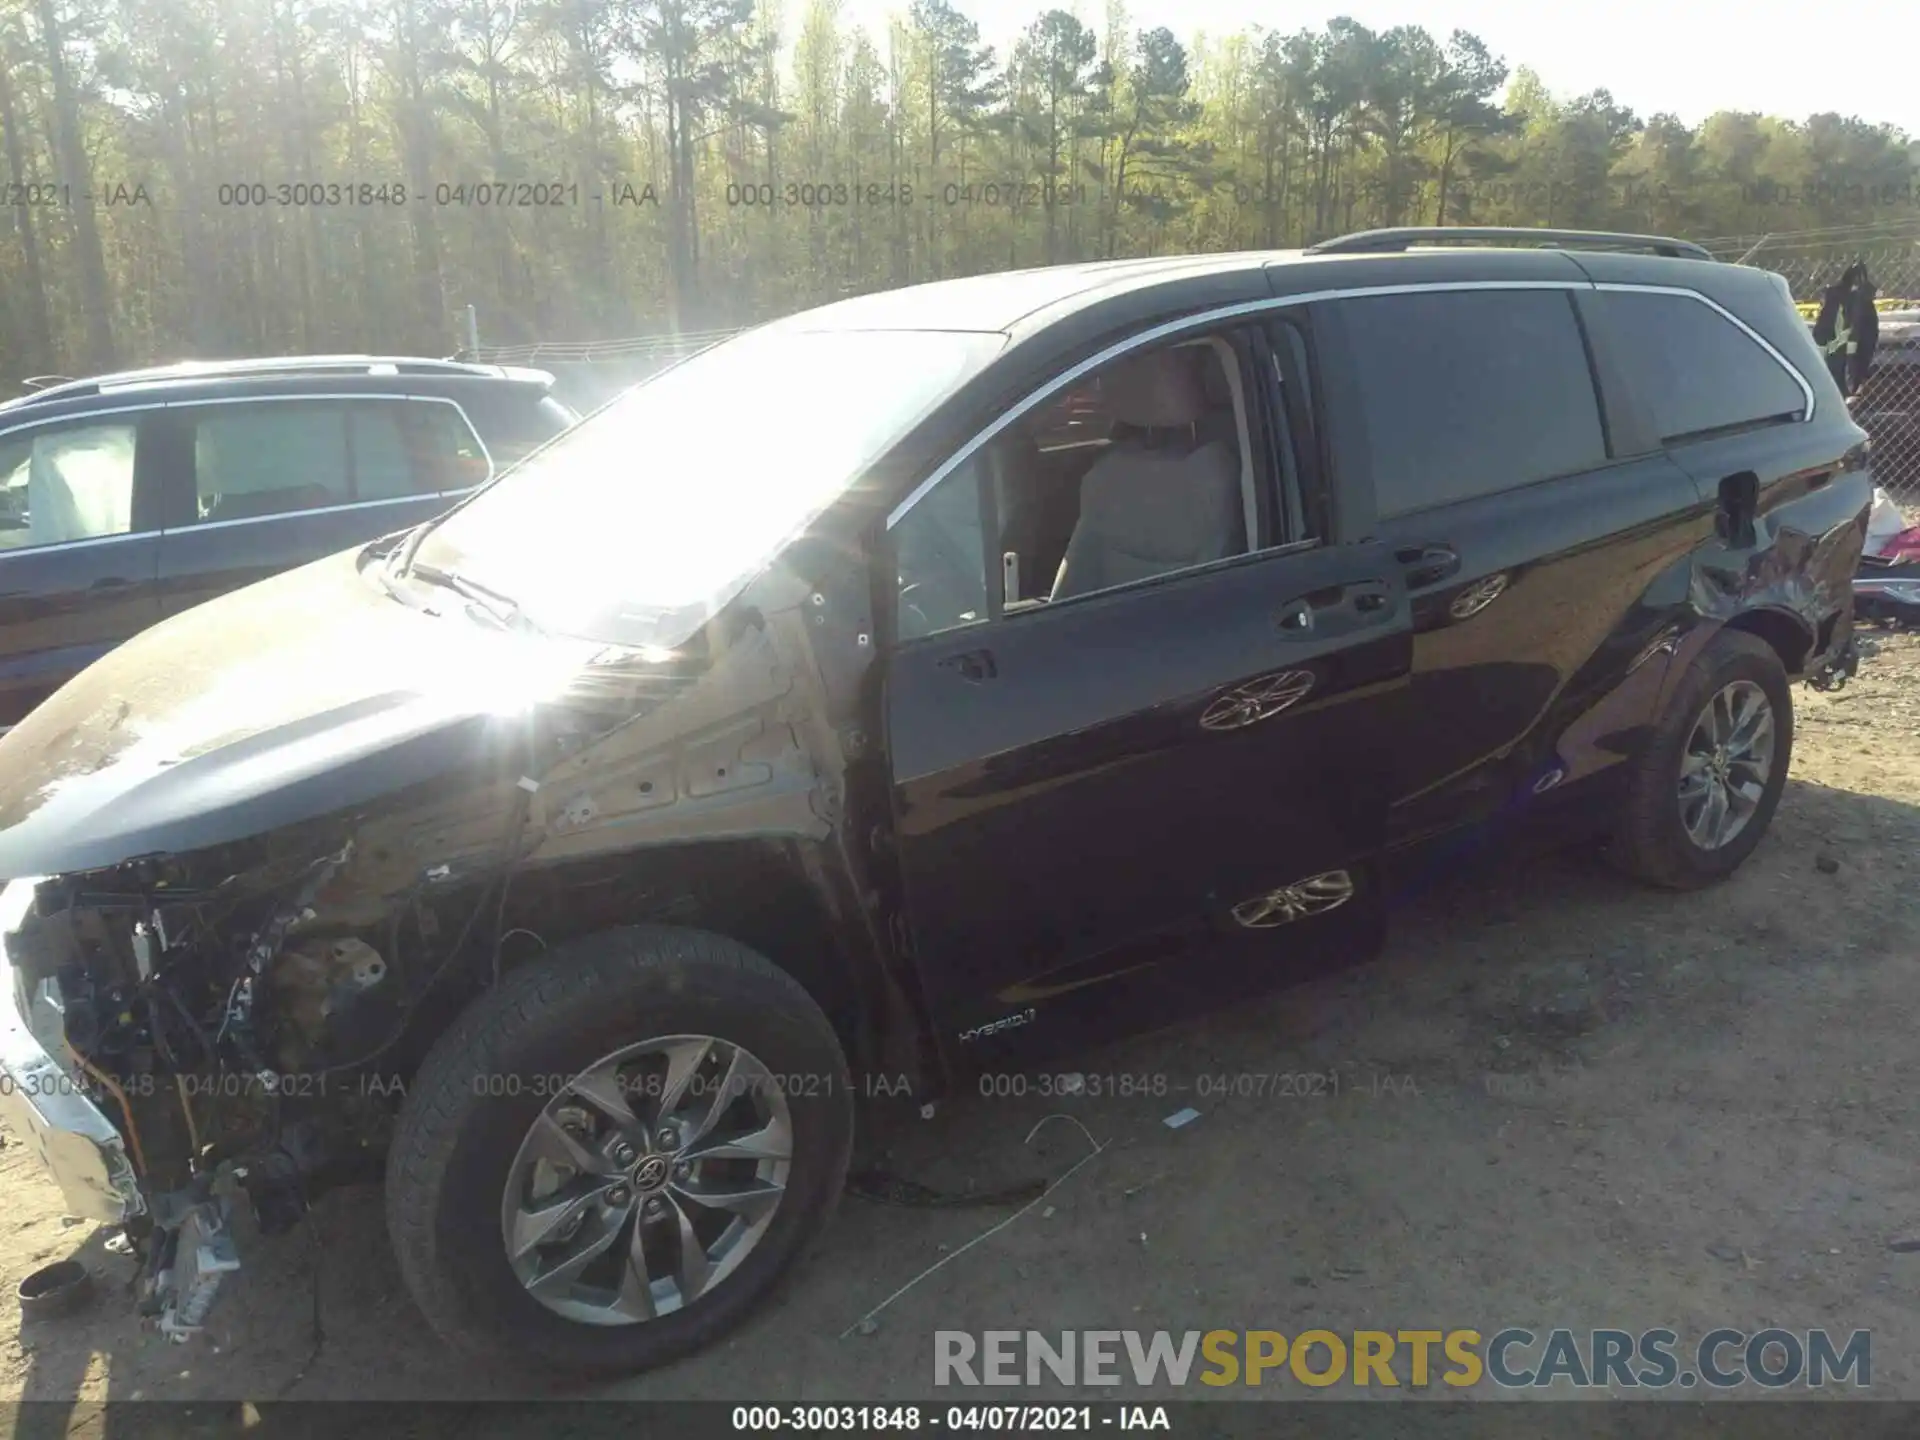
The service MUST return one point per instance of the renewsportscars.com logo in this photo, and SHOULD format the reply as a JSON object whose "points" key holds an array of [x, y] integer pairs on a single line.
{"points": [[1513, 1358]]}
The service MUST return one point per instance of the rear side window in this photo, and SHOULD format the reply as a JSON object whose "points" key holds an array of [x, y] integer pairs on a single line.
{"points": [[1696, 369], [1466, 393], [270, 458], [281, 457], [382, 468]]}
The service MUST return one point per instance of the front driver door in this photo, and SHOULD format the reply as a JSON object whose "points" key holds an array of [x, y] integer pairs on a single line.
{"points": [[1114, 809]]}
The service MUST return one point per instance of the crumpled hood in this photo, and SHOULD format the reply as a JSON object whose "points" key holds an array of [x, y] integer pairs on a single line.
{"points": [[300, 695]]}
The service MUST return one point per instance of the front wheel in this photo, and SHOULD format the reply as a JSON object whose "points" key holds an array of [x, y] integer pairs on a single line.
{"points": [[1704, 790], [611, 1157]]}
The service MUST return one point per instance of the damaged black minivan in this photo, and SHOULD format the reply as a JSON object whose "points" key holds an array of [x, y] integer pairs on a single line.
{"points": [[1028, 659]]}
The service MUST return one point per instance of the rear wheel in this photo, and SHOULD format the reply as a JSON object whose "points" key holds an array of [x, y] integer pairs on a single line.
{"points": [[1704, 790], [613, 1156]]}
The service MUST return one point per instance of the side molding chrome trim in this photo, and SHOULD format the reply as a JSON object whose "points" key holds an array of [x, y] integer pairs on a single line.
{"points": [[1181, 326], [1735, 320], [1247, 308], [351, 505]]}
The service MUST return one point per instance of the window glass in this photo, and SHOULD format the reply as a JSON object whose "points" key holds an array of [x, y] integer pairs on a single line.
{"points": [[1167, 489], [1079, 417], [448, 450], [382, 467], [1696, 369], [270, 458], [940, 553], [1465, 393], [645, 519], [516, 423], [70, 483]]}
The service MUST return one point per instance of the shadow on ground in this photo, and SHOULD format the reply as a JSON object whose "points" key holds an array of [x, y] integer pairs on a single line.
{"points": [[1557, 1099]]}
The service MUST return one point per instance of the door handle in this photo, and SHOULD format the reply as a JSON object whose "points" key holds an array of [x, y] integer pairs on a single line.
{"points": [[1302, 618], [1427, 564], [1296, 620], [1371, 599], [110, 582], [972, 665]]}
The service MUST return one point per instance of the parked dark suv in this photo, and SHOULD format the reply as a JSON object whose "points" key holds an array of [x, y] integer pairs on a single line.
{"points": [[590, 848], [130, 497]]}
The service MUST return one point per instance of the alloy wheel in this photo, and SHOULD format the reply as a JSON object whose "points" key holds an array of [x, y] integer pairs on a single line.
{"points": [[1315, 895], [647, 1179], [1256, 700], [1726, 765]]}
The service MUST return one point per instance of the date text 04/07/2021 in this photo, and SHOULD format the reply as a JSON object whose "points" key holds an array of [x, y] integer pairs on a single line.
{"points": [[969, 1419], [1244, 1085]]}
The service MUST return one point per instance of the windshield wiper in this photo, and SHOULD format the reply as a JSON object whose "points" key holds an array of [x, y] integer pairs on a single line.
{"points": [[504, 610], [401, 556]]}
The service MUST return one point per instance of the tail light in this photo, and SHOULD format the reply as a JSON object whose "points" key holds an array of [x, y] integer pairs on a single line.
{"points": [[1904, 546]]}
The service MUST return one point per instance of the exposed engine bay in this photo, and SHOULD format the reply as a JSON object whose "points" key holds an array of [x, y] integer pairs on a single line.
{"points": [[243, 1015], [246, 1016]]}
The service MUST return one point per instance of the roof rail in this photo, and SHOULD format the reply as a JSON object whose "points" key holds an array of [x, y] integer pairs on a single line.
{"points": [[290, 365], [1404, 237], [50, 388]]}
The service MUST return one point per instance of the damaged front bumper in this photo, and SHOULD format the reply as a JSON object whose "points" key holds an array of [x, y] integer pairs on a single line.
{"points": [[41, 1100], [45, 1107], [1832, 671]]}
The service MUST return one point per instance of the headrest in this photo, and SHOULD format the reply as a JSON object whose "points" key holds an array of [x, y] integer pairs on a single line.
{"points": [[1158, 391]]}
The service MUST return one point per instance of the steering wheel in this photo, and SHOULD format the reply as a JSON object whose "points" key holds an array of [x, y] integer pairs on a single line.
{"points": [[941, 569]]}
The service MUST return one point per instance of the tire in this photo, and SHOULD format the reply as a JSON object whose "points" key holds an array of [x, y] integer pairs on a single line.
{"points": [[1652, 842], [470, 1114]]}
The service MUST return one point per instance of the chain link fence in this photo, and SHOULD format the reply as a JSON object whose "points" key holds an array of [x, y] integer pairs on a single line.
{"points": [[586, 376], [1888, 404]]}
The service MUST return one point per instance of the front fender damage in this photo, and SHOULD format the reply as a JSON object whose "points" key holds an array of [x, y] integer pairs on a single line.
{"points": [[239, 1022]]}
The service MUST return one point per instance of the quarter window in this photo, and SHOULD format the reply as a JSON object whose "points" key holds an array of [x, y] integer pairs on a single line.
{"points": [[70, 483], [1697, 370], [449, 452], [1467, 393]]}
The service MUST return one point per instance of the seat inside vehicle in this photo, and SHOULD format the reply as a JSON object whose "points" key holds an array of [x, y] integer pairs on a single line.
{"points": [[252, 504], [1140, 473]]}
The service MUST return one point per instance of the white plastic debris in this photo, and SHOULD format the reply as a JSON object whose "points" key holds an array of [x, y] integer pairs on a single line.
{"points": [[1884, 521], [1181, 1117]]}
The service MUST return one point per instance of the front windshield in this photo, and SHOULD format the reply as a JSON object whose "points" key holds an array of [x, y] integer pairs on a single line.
{"points": [[636, 526]]}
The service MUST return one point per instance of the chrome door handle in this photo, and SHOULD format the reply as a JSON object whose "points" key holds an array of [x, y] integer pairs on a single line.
{"points": [[1296, 619]]}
